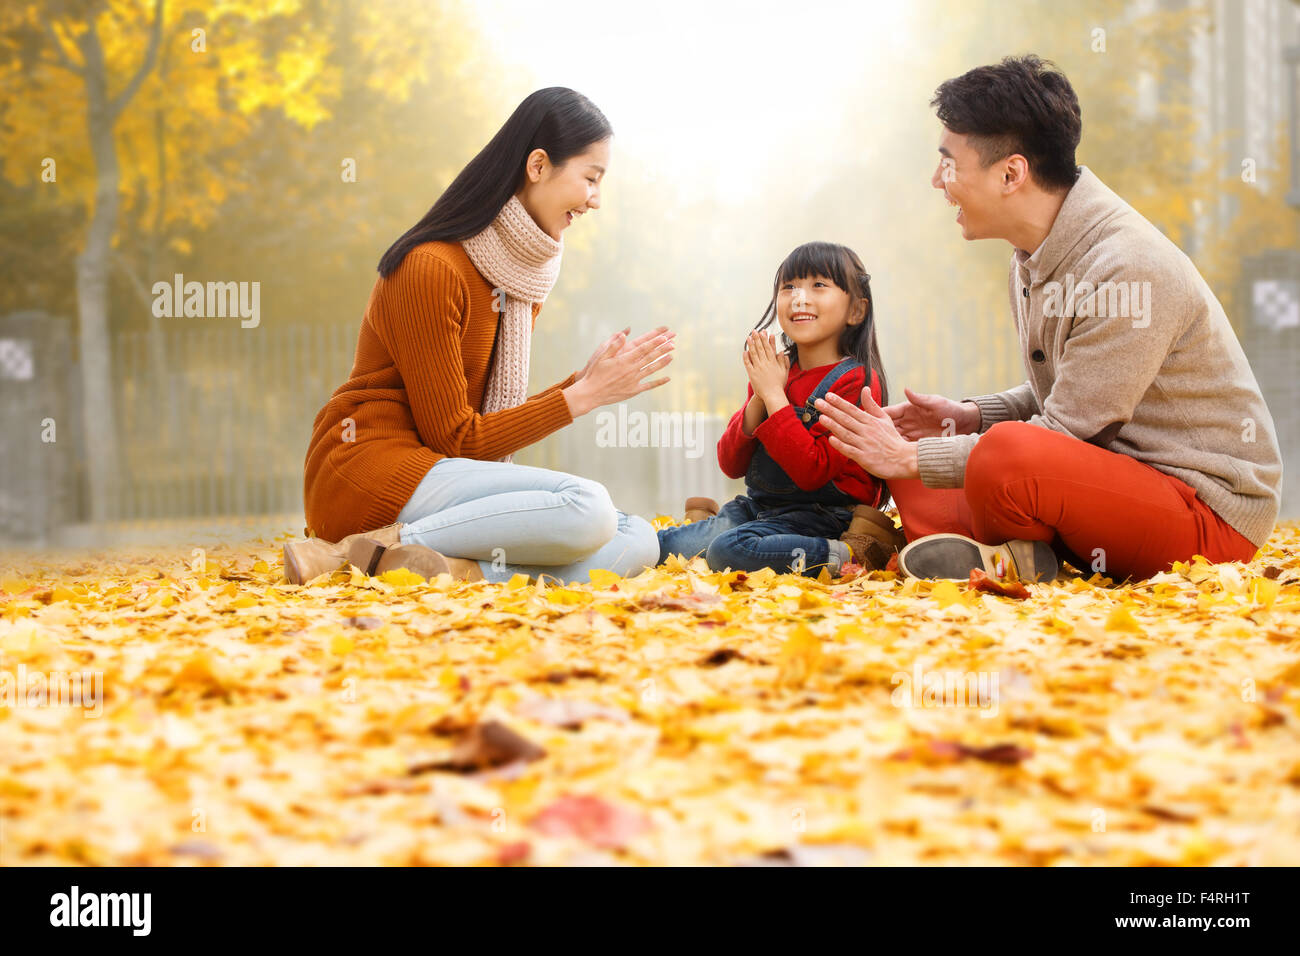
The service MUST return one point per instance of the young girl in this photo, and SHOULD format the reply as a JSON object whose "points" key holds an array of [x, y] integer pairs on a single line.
{"points": [[801, 493]]}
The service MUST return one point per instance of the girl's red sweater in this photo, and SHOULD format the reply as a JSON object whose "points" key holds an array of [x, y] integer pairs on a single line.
{"points": [[805, 454]]}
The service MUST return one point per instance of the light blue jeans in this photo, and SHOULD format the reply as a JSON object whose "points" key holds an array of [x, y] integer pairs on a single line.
{"points": [[514, 519]]}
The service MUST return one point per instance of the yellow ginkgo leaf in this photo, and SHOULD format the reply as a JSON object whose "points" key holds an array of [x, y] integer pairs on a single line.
{"points": [[1264, 591], [945, 593], [602, 579], [401, 577], [568, 596], [1121, 619]]}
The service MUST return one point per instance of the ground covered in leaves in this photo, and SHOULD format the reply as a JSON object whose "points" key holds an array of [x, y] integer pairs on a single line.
{"points": [[679, 717]]}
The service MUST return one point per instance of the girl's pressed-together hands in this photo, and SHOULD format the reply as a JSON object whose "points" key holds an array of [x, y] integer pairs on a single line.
{"points": [[768, 369], [618, 368]]}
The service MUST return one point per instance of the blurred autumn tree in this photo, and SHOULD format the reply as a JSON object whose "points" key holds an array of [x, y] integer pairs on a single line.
{"points": [[1264, 220], [226, 126]]}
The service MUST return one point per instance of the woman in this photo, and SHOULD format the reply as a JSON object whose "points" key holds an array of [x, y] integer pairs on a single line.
{"points": [[409, 462]]}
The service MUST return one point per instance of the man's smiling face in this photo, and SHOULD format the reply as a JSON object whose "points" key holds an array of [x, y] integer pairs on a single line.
{"points": [[969, 185]]}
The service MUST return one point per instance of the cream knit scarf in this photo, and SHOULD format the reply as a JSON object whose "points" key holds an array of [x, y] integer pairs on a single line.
{"points": [[522, 263]]}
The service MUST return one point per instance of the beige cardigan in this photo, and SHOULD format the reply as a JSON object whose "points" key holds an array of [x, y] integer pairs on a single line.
{"points": [[1127, 348]]}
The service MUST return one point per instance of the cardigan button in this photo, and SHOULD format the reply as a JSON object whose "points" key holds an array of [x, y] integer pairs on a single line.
{"points": [[1039, 355], [1025, 292]]}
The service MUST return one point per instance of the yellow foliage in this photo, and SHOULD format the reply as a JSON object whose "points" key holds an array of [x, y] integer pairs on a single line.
{"points": [[715, 705]]}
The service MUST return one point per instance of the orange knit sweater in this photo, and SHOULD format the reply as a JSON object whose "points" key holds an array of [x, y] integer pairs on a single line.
{"points": [[414, 395]]}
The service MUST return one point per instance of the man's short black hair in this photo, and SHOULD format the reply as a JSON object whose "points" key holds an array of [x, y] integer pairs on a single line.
{"points": [[1022, 105]]}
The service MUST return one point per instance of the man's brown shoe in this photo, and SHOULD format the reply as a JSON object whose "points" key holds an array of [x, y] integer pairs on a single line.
{"points": [[954, 556], [304, 560], [872, 537], [701, 509]]}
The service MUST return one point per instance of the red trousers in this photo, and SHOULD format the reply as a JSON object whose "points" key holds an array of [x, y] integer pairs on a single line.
{"points": [[1099, 509]]}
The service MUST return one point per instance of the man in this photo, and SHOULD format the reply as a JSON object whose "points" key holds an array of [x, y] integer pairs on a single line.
{"points": [[1140, 436]]}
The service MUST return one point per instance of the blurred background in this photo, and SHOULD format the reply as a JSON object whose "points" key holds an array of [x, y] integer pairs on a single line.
{"points": [[289, 142]]}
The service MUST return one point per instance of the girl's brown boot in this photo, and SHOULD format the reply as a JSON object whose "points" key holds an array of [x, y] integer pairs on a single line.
{"points": [[872, 537], [701, 509]]}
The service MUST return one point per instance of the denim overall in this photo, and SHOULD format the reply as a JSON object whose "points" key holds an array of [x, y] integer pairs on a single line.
{"points": [[776, 524], [767, 483]]}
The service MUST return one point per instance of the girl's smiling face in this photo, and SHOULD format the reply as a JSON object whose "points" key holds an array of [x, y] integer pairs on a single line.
{"points": [[814, 309]]}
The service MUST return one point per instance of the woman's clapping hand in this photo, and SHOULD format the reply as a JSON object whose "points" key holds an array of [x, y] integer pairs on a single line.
{"points": [[601, 349], [617, 369]]}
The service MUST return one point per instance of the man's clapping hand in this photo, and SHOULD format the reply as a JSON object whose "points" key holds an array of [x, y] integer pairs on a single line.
{"points": [[933, 416]]}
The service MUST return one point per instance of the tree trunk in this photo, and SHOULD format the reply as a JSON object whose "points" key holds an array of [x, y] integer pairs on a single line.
{"points": [[99, 424], [157, 343]]}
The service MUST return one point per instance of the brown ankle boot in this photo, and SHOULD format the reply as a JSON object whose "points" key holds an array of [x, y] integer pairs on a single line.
{"points": [[701, 509], [872, 537], [305, 559], [372, 557]]}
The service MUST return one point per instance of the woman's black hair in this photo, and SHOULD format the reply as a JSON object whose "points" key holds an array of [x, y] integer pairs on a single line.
{"points": [[557, 119], [842, 266]]}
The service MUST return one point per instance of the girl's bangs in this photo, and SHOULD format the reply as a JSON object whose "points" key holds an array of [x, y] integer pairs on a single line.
{"points": [[815, 259]]}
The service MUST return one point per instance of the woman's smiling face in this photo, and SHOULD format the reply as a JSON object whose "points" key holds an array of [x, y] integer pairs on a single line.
{"points": [[812, 309], [557, 195]]}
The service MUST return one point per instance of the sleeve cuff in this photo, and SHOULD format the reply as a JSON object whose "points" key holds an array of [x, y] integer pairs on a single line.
{"points": [[573, 377], [993, 409], [940, 462]]}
